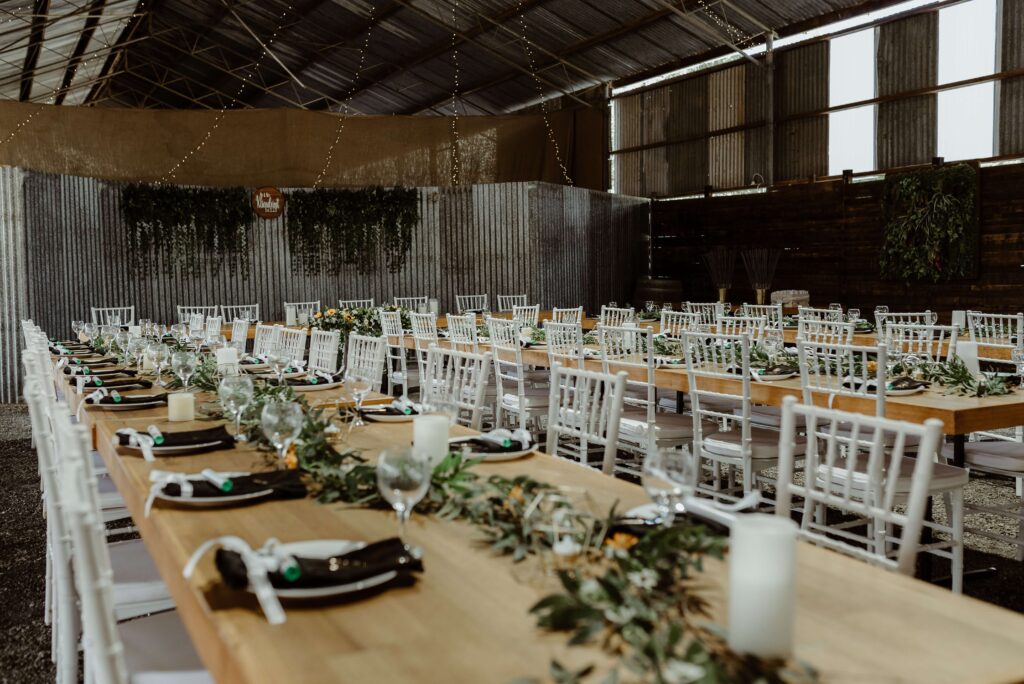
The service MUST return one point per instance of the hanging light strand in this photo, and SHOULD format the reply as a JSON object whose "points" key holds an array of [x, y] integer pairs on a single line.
{"points": [[456, 170], [342, 119], [552, 138], [172, 172], [737, 35]]}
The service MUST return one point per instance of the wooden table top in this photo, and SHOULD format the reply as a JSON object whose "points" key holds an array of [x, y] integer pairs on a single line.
{"points": [[466, 619]]}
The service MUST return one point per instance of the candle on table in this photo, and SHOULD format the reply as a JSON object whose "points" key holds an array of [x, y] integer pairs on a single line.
{"points": [[289, 315], [434, 306], [762, 585], [181, 406], [430, 437]]}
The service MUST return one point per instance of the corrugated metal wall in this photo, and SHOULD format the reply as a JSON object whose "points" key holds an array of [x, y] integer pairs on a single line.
{"points": [[907, 60], [801, 86], [560, 246], [1011, 90], [13, 290]]}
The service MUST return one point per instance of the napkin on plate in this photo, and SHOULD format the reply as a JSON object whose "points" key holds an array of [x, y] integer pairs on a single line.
{"points": [[216, 437], [126, 400], [285, 484], [497, 442], [115, 383], [309, 380], [896, 384]]}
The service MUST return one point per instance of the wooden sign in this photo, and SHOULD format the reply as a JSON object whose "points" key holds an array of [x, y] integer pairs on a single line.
{"points": [[268, 202]]}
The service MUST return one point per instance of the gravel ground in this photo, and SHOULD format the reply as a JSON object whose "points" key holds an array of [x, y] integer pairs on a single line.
{"points": [[25, 654]]}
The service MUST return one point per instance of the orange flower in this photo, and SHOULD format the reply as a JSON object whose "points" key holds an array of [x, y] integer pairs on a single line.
{"points": [[331, 312], [622, 541], [348, 316], [872, 367], [516, 494], [291, 458], [318, 315]]}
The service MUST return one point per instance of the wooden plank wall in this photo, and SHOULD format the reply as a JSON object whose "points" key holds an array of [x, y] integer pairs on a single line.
{"points": [[832, 234]]}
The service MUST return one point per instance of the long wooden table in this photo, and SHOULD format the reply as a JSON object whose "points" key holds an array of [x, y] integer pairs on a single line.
{"points": [[466, 619]]}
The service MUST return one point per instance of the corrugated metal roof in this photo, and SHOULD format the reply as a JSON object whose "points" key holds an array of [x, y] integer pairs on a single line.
{"points": [[207, 53]]}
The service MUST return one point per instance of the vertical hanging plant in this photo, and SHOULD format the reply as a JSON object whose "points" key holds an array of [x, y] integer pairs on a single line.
{"points": [[329, 229], [191, 229]]}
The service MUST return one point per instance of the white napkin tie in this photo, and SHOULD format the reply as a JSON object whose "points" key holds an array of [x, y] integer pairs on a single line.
{"points": [[137, 439], [501, 435]]}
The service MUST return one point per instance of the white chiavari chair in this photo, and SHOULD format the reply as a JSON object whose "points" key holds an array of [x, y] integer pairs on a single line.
{"points": [[146, 649], [713, 362], [565, 344], [246, 312], [240, 334], [616, 317], [397, 357], [460, 378], [196, 324], [832, 371], [113, 315], [506, 302], [366, 359], [462, 332], [810, 313], [584, 411], [213, 326], [753, 327], [631, 351], [772, 313], [324, 347], [424, 334], [300, 312], [515, 387], [571, 315], [266, 339], [929, 343], [709, 311], [355, 303], [412, 303], [186, 314], [292, 342], [675, 323], [528, 315], [884, 318], [842, 466], [825, 332], [1004, 331], [471, 303]]}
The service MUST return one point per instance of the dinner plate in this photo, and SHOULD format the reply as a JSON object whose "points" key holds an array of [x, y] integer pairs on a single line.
{"points": [[316, 388], [128, 407], [388, 418], [273, 375], [492, 457], [776, 377], [325, 548], [171, 450], [213, 501], [253, 366], [904, 392]]}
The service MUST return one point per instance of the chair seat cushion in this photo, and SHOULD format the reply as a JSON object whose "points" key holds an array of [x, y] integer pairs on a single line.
{"points": [[764, 444], [768, 416], [136, 579], [634, 425], [159, 644], [534, 398], [1000, 455], [889, 438], [943, 476]]}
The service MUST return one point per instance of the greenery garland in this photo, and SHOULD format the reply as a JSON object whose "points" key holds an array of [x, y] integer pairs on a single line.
{"points": [[931, 224], [187, 228], [329, 229]]}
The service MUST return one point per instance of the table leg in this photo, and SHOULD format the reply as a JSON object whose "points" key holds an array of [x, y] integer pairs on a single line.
{"points": [[924, 560], [958, 450], [679, 401]]}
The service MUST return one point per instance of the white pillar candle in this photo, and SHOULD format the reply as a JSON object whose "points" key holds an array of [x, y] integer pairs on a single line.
{"points": [[181, 406], [430, 437], [289, 315], [762, 585], [960, 318], [434, 306]]}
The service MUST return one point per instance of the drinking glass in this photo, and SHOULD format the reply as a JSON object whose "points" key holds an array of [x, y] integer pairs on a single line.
{"points": [[667, 306], [281, 422], [613, 305], [359, 385], [159, 354], [669, 476], [403, 478], [278, 360], [76, 328], [144, 325], [649, 305], [114, 319], [180, 332], [835, 306], [773, 343], [853, 315], [136, 348], [881, 309], [183, 364], [121, 339], [235, 394], [107, 333], [90, 330], [215, 342]]}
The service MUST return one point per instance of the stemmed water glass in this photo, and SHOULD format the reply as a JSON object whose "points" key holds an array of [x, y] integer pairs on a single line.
{"points": [[669, 476], [180, 332], [137, 348], [159, 354], [359, 386], [90, 330], [279, 361], [76, 328], [649, 305], [107, 333], [403, 477], [667, 306], [235, 394], [183, 364], [281, 422], [773, 343], [121, 339], [215, 342], [114, 319], [853, 315]]}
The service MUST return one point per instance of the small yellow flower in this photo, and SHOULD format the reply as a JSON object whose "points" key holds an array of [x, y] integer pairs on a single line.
{"points": [[872, 367], [331, 312], [622, 541], [348, 317], [291, 458], [318, 315]]}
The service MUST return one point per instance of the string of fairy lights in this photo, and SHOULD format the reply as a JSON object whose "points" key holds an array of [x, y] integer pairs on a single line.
{"points": [[456, 170], [173, 171], [528, 51], [342, 119], [735, 33]]}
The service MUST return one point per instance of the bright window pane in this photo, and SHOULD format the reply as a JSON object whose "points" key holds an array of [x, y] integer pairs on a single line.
{"points": [[967, 40], [965, 122], [851, 68], [851, 140]]}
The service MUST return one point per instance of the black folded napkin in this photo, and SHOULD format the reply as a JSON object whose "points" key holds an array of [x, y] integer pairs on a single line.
{"points": [[307, 381], [127, 400], [778, 369], [896, 384], [363, 564], [99, 370], [93, 381], [638, 529], [483, 446], [78, 361], [864, 327], [219, 435], [387, 411], [283, 484]]}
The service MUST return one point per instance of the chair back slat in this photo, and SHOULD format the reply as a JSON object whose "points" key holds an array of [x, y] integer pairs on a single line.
{"points": [[507, 302], [584, 409], [460, 378], [471, 303]]}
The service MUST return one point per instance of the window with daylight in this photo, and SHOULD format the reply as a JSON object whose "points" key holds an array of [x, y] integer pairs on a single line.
{"points": [[851, 132], [967, 49]]}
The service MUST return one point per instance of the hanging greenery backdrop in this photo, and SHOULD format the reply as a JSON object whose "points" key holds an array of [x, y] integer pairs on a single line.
{"points": [[189, 228], [329, 229], [931, 224]]}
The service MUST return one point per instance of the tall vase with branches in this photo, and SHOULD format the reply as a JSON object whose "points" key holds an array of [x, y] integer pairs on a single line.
{"points": [[721, 263], [760, 264]]}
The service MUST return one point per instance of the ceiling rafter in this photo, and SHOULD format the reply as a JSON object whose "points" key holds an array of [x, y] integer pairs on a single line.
{"points": [[35, 42], [88, 28]]}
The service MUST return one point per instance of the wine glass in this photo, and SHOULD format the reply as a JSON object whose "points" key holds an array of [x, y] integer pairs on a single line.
{"points": [[773, 343], [180, 332], [76, 328], [667, 306], [121, 340], [835, 306], [359, 385], [183, 364], [136, 348], [278, 360], [649, 305], [114, 319], [90, 330], [403, 478], [235, 393], [669, 476], [613, 305], [215, 342], [159, 354], [442, 406], [107, 333], [281, 422], [853, 315]]}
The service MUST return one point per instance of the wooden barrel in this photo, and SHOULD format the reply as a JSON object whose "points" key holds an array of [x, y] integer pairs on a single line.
{"points": [[659, 290]]}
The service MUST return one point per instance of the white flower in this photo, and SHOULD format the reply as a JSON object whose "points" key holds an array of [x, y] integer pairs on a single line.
{"points": [[681, 672], [591, 591], [645, 579], [620, 615]]}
